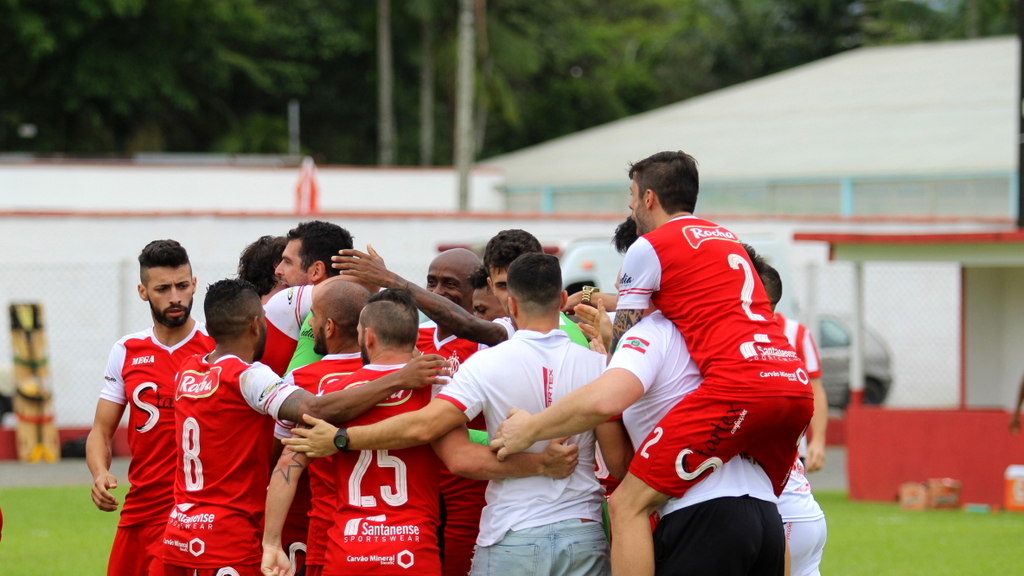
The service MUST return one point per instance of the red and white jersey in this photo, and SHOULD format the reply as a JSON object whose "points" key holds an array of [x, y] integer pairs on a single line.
{"points": [[700, 277], [654, 352], [316, 494], [455, 350], [285, 312], [803, 342], [140, 373], [220, 485], [531, 371], [387, 516], [796, 503]]}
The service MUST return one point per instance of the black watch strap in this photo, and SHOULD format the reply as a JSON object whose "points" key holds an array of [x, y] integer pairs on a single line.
{"points": [[341, 440]]}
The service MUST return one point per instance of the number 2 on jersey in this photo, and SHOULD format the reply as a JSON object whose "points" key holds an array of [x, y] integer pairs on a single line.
{"points": [[393, 496], [738, 262]]}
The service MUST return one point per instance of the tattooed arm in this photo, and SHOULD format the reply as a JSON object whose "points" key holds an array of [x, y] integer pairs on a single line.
{"points": [[280, 494], [450, 317], [624, 320]]}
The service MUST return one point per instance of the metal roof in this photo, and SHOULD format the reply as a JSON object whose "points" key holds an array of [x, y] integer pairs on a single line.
{"points": [[947, 108]]}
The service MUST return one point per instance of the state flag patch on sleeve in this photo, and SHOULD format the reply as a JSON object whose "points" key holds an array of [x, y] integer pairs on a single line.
{"points": [[638, 344]]}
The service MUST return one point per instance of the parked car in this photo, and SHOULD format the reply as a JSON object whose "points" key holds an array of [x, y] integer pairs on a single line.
{"points": [[834, 349]]}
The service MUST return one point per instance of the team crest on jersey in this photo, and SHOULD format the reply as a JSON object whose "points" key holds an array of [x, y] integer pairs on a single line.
{"points": [[697, 235], [195, 384], [638, 344], [455, 362]]}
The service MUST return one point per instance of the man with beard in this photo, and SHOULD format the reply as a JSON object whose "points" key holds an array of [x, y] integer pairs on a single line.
{"points": [[140, 371]]}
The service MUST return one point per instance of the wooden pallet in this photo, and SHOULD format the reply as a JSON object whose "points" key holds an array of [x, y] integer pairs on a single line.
{"points": [[36, 434]]}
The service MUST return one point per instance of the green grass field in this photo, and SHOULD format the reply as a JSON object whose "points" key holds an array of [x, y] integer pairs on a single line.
{"points": [[58, 531]]}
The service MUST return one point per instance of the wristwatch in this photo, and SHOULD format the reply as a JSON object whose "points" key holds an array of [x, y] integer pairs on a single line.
{"points": [[341, 440], [587, 291]]}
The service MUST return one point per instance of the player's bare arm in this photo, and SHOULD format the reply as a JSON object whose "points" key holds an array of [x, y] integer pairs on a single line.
{"points": [[582, 409], [624, 320], [280, 493], [99, 453], [616, 447], [819, 427], [449, 316], [577, 298], [402, 431], [466, 458], [341, 406]]}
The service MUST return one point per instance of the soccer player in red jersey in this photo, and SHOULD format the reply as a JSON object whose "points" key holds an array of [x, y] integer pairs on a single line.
{"points": [[387, 506], [485, 303], [140, 373], [755, 398], [306, 261], [463, 498], [335, 316], [258, 265], [220, 482]]}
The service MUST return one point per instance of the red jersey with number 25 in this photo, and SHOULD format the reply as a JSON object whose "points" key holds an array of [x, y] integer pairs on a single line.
{"points": [[387, 516], [140, 374], [700, 277], [220, 486]]}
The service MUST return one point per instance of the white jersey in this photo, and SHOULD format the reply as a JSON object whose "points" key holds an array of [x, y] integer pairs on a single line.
{"points": [[796, 503], [660, 360], [531, 371]]}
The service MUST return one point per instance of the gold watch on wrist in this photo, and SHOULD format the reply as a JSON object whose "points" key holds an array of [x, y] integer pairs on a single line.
{"points": [[587, 292]]}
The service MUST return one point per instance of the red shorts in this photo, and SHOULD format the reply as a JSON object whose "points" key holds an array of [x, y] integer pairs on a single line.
{"points": [[706, 429], [463, 501], [240, 570], [137, 550], [316, 542]]}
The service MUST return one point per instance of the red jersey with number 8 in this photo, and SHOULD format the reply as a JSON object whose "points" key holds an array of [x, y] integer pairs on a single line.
{"points": [[220, 485], [387, 516], [700, 277]]}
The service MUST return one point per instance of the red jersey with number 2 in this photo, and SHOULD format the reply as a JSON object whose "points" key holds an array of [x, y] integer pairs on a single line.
{"points": [[700, 277], [387, 516]]}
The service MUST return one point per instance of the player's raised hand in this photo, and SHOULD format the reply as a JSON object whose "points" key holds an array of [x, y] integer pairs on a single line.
{"points": [[275, 562], [424, 370], [315, 442], [366, 266], [101, 495], [596, 318], [513, 434], [560, 459]]}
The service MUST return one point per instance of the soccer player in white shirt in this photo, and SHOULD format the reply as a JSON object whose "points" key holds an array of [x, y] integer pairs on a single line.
{"points": [[530, 525]]}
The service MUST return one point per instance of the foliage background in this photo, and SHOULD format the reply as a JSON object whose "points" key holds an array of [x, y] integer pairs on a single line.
{"points": [[124, 76]]}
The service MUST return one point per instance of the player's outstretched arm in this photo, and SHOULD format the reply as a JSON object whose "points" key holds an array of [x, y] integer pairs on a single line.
{"points": [[448, 315], [402, 431], [471, 460], [280, 493], [343, 405], [581, 410], [99, 453], [577, 298], [819, 428]]}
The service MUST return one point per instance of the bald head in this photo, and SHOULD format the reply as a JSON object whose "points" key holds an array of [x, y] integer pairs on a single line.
{"points": [[336, 307], [448, 276]]}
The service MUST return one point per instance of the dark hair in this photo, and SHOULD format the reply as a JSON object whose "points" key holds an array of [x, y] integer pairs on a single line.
{"points": [[508, 245], [769, 276], [625, 235], [320, 241], [478, 278], [535, 280], [230, 305], [161, 254], [257, 262], [672, 176], [392, 315]]}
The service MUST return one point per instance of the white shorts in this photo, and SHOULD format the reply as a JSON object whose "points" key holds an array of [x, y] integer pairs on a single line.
{"points": [[806, 543]]}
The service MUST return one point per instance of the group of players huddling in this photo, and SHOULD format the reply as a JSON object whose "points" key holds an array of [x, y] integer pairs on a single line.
{"points": [[313, 425]]}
